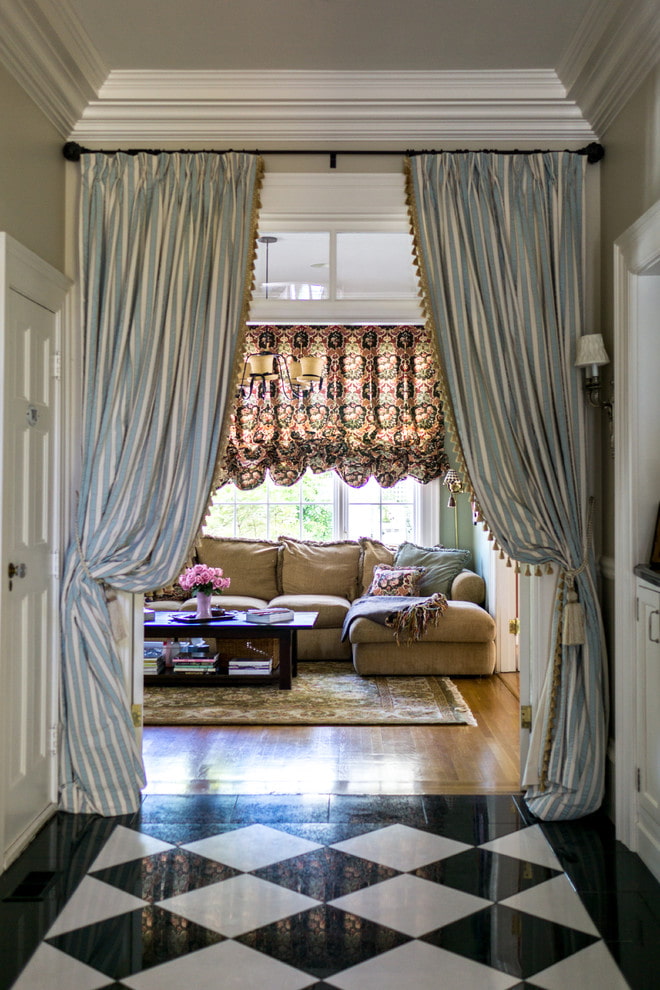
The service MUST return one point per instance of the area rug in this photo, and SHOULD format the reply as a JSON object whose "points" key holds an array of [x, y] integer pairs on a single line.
{"points": [[322, 694]]}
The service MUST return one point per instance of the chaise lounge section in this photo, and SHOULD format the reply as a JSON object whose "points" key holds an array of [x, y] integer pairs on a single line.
{"points": [[328, 577]]}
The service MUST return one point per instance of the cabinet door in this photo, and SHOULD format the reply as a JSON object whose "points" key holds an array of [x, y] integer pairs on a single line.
{"points": [[648, 725]]}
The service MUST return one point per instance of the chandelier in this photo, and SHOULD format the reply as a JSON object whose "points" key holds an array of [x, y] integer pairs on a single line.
{"points": [[294, 377]]}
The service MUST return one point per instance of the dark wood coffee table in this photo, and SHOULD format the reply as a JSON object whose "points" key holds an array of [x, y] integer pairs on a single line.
{"points": [[170, 625]]}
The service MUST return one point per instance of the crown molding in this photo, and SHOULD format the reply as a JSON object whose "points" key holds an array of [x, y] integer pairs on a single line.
{"points": [[616, 45], [44, 47], [258, 108]]}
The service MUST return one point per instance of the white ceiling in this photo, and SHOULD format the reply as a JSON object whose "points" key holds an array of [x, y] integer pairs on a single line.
{"points": [[320, 73]]}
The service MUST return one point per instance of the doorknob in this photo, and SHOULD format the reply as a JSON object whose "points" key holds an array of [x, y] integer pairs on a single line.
{"points": [[16, 570]]}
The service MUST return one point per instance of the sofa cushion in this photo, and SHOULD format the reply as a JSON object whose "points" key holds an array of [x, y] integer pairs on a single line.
{"points": [[468, 587], [399, 581], [310, 568], [332, 609], [442, 565], [250, 564], [373, 552]]}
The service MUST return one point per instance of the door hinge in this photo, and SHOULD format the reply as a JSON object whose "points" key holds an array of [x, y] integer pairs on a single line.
{"points": [[639, 780], [514, 626], [136, 714], [56, 365], [52, 741], [525, 716]]}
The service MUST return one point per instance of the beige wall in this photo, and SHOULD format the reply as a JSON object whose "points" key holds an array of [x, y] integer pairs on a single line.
{"points": [[630, 184], [31, 175]]}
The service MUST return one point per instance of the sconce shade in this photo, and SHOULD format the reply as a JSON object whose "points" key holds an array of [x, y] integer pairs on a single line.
{"points": [[591, 351], [452, 481]]}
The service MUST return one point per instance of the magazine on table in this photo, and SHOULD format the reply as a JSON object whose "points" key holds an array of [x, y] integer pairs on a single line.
{"points": [[269, 615]]}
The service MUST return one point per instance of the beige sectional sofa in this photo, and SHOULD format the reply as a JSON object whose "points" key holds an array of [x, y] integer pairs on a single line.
{"points": [[327, 577]]}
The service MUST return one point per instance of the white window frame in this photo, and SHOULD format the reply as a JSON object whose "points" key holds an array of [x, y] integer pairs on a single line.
{"points": [[426, 513]]}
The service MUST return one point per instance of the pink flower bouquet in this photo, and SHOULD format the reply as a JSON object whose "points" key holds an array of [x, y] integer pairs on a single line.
{"points": [[205, 579]]}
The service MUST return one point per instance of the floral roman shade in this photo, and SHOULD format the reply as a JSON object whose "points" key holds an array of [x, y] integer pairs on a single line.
{"points": [[377, 414]]}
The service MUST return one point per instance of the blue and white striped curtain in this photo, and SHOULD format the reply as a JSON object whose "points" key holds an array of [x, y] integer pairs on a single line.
{"points": [[166, 253], [499, 242]]}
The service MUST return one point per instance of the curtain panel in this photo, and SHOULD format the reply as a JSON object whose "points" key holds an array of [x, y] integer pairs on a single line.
{"points": [[166, 253], [499, 241], [377, 414]]}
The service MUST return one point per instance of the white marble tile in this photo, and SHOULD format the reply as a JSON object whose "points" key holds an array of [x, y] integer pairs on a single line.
{"points": [[527, 843], [422, 967], [124, 845], [410, 905], [401, 847], [228, 965], [239, 905], [251, 847], [50, 969], [555, 900], [93, 901], [591, 967]]}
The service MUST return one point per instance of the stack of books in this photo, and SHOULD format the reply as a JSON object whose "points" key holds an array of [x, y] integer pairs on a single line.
{"points": [[249, 665], [153, 660], [193, 665]]}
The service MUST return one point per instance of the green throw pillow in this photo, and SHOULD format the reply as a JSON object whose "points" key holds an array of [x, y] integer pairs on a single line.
{"points": [[442, 565]]}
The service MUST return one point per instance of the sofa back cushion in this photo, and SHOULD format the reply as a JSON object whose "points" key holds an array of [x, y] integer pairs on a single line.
{"points": [[251, 564], [373, 553], [442, 565], [310, 568]]}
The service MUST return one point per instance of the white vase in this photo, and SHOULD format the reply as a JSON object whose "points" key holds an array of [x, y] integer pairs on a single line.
{"points": [[203, 606]]}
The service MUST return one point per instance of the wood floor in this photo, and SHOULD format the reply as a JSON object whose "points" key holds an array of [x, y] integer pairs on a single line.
{"points": [[346, 759]]}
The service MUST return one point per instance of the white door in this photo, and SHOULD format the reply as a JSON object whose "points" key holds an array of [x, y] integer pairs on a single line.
{"points": [[648, 735], [29, 659]]}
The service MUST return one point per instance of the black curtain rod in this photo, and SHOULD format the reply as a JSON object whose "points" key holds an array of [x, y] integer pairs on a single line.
{"points": [[72, 152]]}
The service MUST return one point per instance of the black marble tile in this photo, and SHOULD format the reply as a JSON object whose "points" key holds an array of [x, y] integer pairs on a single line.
{"points": [[514, 942], [639, 962], [271, 809], [162, 875], [473, 819], [323, 940], [486, 874], [325, 874], [378, 809], [135, 941], [326, 833], [165, 809]]}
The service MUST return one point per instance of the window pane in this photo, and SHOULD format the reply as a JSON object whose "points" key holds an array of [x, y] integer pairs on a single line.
{"points": [[375, 266], [293, 266]]}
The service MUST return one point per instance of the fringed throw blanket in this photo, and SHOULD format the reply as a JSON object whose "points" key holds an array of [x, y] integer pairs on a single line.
{"points": [[408, 617]]}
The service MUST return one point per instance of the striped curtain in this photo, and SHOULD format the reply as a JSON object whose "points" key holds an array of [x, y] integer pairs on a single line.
{"points": [[499, 241], [166, 254]]}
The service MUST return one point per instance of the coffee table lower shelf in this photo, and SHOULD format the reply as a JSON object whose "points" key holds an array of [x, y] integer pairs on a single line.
{"points": [[212, 680]]}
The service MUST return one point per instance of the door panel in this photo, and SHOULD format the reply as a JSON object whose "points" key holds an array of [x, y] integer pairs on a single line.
{"points": [[30, 643]]}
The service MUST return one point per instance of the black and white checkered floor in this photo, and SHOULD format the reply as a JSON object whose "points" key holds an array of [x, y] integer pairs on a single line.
{"points": [[283, 892]]}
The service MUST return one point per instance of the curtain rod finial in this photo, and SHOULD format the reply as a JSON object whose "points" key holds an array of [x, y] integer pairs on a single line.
{"points": [[72, 151], [595, 152]]}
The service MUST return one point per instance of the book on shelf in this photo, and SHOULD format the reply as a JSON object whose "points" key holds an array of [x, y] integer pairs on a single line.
{"points": [[267, 616], [249, 665]]}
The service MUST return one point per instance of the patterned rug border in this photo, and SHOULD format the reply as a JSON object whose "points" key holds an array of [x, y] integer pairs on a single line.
{"points": [[324, 693]]}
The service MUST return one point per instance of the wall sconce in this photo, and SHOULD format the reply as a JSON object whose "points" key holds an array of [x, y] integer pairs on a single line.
{"points": [[454, 485], [294, 378], [591, 355]]}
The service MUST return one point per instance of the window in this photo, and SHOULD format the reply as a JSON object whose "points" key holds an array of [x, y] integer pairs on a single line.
{"points": [[323, 507]]}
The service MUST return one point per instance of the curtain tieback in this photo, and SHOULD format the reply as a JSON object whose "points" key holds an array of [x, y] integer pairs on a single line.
{"points": [[573, 624], [117, 623]]}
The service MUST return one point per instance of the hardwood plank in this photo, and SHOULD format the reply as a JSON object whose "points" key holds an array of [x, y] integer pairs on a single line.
{"points": [[425, 759]]}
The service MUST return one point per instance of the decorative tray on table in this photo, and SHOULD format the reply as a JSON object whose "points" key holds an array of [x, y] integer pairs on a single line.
{"points": [[217, 615]]}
